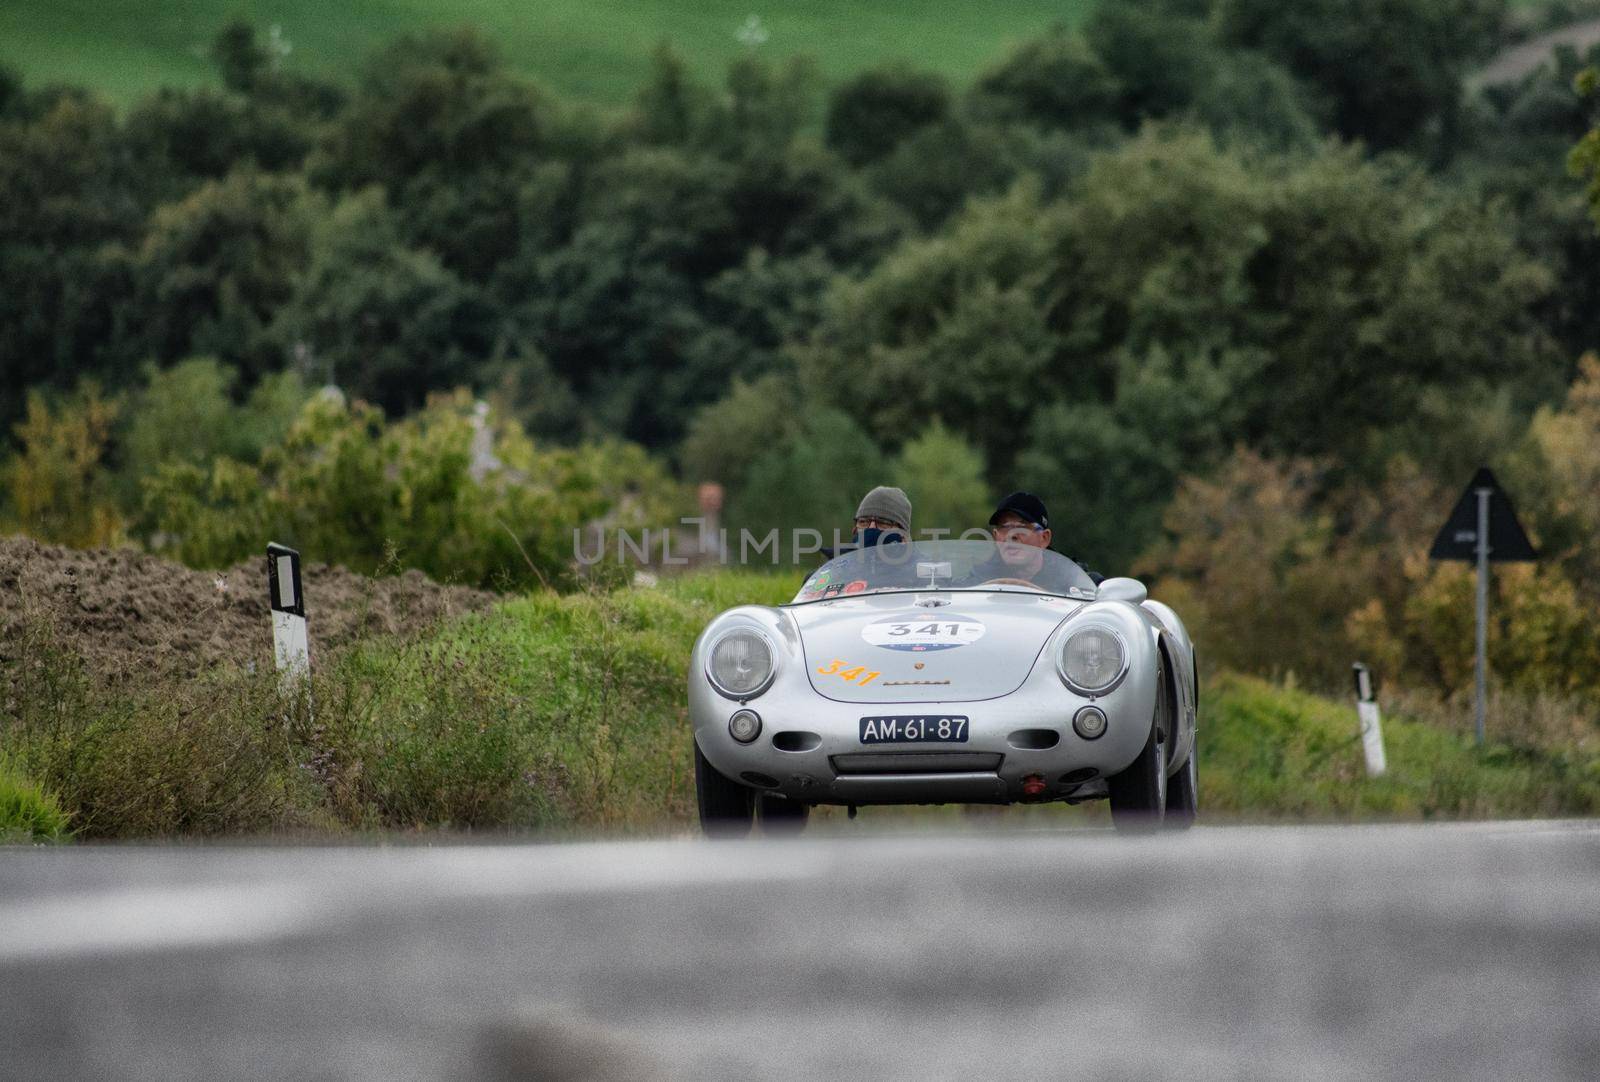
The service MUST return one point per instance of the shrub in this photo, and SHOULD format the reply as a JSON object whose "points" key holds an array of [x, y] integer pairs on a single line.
{"points": [[29, 813], [448, 490], [56, 485]]}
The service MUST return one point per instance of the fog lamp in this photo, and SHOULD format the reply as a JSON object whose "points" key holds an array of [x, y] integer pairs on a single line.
{"points": [[1089, 723], [744, 726]]}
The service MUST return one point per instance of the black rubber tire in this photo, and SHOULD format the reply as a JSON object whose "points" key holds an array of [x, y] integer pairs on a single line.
{"points": [[780, 815], [1139, 793], [1182, 796], [726, 808]]}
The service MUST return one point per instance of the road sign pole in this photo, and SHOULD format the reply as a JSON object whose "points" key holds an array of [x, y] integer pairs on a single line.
{"points": [[1482, 526], [1482, 658]]}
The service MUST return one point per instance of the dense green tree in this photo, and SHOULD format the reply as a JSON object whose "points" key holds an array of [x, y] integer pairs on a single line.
{"points": [[812, 480], [802, 200], [950, 326], [1387, 70], [1252, 100], [1055, 81], [383, 320], [945, 477], [614, 308], [1584, 160], [725, 437], [671, 107], [1106, 469], [188, 136], [1362, 284], [1181, 300], [937, 168], [69, 197], [215, 268], [1159, 60], [10, 89], [874, 112], [1513, 148], [767, 105], [451, 136], [240, 58]]}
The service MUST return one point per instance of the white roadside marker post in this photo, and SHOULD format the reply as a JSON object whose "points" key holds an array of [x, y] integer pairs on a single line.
{"points": [[289, 643], [1371, 724]]}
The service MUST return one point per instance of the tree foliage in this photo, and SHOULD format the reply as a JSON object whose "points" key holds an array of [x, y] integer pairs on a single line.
{"points": [[1387, 71]]}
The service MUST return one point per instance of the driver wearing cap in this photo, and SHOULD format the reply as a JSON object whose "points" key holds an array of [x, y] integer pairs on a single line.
{"points": [[1021, 530]]}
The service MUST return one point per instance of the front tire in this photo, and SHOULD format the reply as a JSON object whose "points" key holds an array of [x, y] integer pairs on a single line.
{"points": [[726, 807], [1182, 796], [1139, 793]]}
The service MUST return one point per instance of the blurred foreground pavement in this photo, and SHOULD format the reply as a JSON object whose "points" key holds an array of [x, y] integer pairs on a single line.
{"points": [[1468, 951]]}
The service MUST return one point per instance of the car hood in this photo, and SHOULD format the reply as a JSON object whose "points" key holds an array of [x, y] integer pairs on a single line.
{"points": [[950, 646]]}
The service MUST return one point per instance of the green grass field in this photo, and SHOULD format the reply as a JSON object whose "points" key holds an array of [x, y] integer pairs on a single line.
{"points": [[592, 50]]}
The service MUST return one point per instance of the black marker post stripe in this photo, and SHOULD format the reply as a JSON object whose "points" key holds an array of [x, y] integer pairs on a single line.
{"points": [[283, 576]]}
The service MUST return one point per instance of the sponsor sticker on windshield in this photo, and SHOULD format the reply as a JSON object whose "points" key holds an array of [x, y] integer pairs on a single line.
{"points": [[920, 634]]}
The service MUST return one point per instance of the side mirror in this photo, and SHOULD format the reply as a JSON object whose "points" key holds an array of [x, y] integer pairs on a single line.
{"points": [[1122, 589]]}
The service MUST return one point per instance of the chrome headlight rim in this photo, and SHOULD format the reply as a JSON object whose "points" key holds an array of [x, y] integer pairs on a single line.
{"points": [[1115, 682], [772, 669]]}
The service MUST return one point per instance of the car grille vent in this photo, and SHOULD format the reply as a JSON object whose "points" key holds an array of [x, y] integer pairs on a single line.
{"points": [[916, 762]]}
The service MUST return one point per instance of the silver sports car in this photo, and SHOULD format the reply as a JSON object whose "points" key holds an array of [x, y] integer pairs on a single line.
{"points": [[945, 672]]}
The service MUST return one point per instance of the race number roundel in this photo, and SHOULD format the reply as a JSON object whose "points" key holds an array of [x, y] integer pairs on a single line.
{"points": [[921, 634]]}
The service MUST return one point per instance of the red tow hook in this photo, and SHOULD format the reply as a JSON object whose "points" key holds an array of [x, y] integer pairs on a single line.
{"points": [[1033, 787]]}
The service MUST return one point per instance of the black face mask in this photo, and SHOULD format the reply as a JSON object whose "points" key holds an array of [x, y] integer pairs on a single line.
{"points": [[872, 537]]}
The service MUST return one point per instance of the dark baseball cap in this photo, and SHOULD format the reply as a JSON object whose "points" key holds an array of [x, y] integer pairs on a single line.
{"points": [[1026, 504]]}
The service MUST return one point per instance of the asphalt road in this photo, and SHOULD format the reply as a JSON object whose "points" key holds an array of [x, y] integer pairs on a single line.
{"points": [[1445, 952]]}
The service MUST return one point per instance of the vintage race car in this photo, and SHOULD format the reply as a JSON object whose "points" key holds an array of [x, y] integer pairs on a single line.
{"points": [[945, 672]]}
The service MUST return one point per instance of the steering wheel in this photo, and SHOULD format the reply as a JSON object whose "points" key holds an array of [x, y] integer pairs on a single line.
{"points": [[1010, 582]]}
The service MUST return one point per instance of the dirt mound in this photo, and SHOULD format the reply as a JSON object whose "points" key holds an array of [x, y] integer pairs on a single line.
{"points": [[129, 612]]}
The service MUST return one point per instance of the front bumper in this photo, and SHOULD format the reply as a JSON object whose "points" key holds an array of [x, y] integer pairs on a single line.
{"points": [[809, 747]]}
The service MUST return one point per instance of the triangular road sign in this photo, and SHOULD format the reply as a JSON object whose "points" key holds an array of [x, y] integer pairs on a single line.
{"points": [[1458, 538]]}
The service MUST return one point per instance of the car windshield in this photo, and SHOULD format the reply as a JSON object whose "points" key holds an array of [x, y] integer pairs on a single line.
{"points": [[947, 565]]}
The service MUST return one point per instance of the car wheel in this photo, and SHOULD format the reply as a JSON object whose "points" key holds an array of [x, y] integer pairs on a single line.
{"points": [[1182, 800], [726, 807], [780, 815], [1139, 793]]}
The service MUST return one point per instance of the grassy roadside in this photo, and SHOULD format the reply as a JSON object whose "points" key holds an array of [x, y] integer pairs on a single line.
{"points": [[1271, 753], [566, 712]]}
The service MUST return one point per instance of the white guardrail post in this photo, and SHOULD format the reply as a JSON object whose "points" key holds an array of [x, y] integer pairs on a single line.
{"points": [[1371, 724], [289, 643]]}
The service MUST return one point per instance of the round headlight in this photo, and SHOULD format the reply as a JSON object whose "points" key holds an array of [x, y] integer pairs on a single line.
{"points": [[741, 664], [1093, 660]]}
